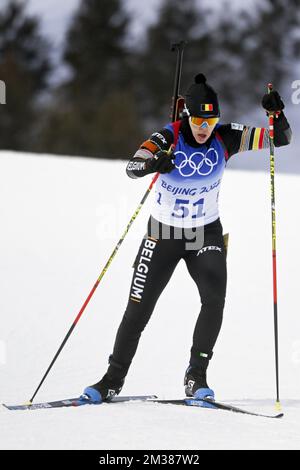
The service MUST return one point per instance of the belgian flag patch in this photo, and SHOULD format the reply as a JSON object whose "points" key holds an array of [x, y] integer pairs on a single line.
{"points": [[206, 107]]}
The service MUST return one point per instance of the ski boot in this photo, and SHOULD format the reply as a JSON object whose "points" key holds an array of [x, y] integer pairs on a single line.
{"points": [[105, 390], [196, 386]]}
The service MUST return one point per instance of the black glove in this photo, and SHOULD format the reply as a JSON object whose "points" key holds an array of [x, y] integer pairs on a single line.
{"points": [[161, 162], [272, 102]]}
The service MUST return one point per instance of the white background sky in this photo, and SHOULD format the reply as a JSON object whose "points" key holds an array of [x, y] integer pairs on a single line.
{"points": [[55, 14]]}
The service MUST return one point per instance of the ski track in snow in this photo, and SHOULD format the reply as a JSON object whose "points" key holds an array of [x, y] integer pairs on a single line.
{"points": [[60, 220]]}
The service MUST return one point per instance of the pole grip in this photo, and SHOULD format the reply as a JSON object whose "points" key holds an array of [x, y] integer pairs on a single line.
{"points": [[271, 116]]}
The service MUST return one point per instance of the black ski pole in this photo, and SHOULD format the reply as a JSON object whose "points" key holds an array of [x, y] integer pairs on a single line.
{"points": [[273, 213]]}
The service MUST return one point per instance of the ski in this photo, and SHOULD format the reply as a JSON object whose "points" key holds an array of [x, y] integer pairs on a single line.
{"points": [[213, 405], [75, 402], [81, 401]]}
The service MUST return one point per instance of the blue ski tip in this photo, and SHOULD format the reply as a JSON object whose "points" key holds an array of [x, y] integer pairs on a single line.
{"points": [[92, 395]]}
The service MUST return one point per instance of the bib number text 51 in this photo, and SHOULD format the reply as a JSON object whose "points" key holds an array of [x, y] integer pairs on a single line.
{"points": [[183, 207]]}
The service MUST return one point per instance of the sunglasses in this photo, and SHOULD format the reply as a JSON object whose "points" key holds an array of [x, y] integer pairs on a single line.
{"points": [[204, 121]]}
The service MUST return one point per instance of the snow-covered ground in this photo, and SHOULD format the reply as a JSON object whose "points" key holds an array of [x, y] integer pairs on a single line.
{"points": [[60, 219]]}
